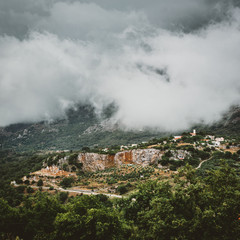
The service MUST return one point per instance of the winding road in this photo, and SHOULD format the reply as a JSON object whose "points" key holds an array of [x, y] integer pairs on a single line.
{"points": [[200, 164], [83, 191]]}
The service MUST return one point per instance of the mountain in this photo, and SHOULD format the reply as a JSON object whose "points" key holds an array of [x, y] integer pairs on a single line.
{"points": [[228, 125], [81, 128]]}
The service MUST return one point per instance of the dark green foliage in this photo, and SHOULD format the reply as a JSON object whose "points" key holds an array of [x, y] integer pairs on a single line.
{"points": [[40, 183], [13, 166], [165, 161], [73, 159], [193, 161], [67, 182], [89, 218], [65, 167], [191, 208], [26, 182], [122, 189], [63, 196], [30, 190]]}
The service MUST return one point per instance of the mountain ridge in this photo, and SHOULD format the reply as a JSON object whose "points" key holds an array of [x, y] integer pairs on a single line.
{"points": [[83, 128]]}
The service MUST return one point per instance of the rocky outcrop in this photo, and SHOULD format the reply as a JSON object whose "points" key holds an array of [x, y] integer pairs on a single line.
{"points": [[93, 162], [143, 157], [179, 154]]}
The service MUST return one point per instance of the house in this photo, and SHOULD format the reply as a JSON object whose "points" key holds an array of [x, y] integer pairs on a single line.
{"points": [[175, 138], [215, 144], [220, 139], [181, 157], [194, 133], [210, 137], [123, 147]]}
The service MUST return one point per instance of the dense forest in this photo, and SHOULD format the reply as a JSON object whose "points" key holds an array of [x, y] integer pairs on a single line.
{"points": [[192, 206]]}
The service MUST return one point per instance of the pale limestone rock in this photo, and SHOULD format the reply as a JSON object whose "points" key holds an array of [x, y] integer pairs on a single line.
{"points": [[93, 161], [143, 157]]}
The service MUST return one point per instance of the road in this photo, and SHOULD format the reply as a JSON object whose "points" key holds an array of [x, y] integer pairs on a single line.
{"points": [[89, 192], [83, 191], [200, 164]]}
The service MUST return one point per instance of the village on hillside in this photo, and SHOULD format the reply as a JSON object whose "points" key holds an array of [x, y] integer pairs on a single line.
{"points": [[108, 170]]}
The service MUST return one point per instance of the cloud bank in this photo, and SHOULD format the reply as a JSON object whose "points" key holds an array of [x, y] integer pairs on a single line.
{"points": [[160, 74]]}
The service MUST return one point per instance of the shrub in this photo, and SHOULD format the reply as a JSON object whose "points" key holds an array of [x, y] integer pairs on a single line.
{"points": [[26, 182], [30, 190], [40, 182], [67, 182]]}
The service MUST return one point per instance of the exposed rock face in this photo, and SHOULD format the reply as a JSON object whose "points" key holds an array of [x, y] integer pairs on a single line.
{"points": [[93, 162], [143, 157], [179, 154]]}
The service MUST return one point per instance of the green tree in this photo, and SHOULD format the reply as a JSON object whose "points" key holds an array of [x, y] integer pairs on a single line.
{"points": [[122, 189], [73, 159], [38, 214], [192, 208], [67, 182], [40, 183], [89, 218], [30, 190]]}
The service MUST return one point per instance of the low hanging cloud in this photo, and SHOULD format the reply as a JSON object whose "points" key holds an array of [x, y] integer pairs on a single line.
{"points": [[156, 77]]}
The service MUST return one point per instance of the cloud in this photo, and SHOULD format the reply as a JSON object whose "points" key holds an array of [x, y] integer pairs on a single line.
{"points": [[87, 21], [157, 77], [73, 17]]}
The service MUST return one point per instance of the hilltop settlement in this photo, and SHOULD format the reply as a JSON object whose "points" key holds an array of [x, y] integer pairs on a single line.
{"points": [[119, 169]]}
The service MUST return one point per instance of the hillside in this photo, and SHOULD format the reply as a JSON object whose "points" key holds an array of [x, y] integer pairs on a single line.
{"points": [[81, 128], [228, 125]]}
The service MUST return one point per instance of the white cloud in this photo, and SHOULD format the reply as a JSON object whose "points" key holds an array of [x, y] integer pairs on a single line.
{"points": [[124, 59]]}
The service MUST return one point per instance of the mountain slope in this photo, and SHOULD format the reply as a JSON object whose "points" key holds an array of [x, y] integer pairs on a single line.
{"points": [[81, 128]]}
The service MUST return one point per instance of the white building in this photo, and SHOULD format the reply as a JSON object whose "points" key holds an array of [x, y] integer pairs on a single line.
{"points": [[220, 139], [216, 144], [210, 137], [177, 138]]}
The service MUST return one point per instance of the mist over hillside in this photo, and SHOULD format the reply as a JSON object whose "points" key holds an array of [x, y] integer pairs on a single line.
{"points": [[83, 128]]}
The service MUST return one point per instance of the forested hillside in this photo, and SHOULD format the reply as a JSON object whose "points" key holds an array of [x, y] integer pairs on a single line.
{"points": [[190, 208], [190, 203]]}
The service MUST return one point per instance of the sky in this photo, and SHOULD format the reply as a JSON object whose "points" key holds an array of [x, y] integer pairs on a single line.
{"points": [[166, 65]]}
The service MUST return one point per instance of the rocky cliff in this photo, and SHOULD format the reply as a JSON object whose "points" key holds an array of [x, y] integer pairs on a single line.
{"points": [[144, 157], [93, 162]]}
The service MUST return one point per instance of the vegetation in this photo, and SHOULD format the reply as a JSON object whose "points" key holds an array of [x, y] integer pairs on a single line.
{"points": [[191, 208], [40, 183], [157, 203], [67, 182]]}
